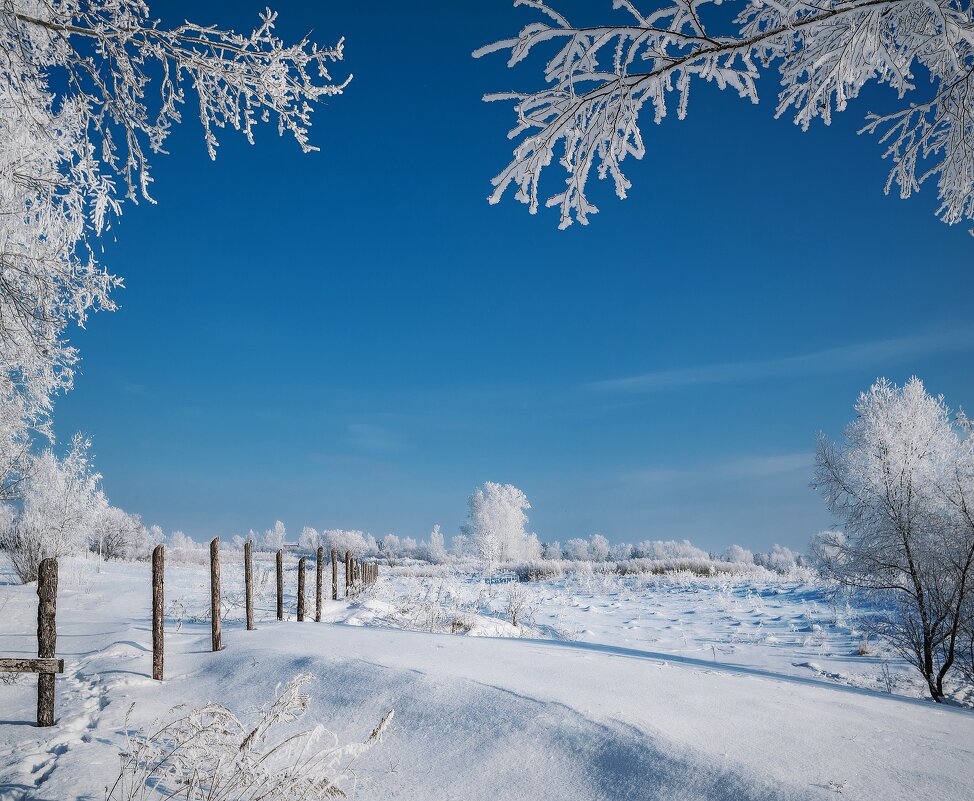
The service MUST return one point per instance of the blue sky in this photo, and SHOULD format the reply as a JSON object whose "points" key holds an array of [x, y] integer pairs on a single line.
{"points": [[356, 339]]}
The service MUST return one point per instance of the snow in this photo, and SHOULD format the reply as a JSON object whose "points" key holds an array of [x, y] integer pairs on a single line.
{"points": [[635, 688]]}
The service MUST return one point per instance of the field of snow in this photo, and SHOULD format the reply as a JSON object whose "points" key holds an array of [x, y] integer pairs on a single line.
{"points": [[640, 687]]}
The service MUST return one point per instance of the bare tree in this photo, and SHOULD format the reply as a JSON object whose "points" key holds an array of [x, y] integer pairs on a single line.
{"points": [[901, 484], [602, 78]]}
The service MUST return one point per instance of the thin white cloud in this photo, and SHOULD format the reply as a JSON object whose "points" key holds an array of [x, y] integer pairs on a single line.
{"points": [[831, 360], [759, 466], [741, 467]]}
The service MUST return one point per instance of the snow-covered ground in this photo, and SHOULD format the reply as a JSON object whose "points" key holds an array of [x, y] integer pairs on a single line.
{"points": [[672, 687]]}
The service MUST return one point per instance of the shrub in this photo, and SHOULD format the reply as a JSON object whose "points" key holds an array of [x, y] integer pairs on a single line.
{"points": [[209, 754]]}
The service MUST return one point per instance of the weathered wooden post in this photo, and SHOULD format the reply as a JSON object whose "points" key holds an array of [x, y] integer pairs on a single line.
{"points": [[319, 567], [158, 610], [280, 585], [348, 573], [301, 572], [334, 574], [249, 582], [46, 637], [215, 592]]}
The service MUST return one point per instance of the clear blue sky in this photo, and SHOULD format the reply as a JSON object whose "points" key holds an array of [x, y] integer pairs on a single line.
{"points": [[356, 339]]}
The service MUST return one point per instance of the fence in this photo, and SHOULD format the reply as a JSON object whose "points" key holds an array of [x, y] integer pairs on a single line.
{"points": [[358, 576]]}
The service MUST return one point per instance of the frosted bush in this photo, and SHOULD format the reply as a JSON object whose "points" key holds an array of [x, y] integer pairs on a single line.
{"points": [[181, 548], [779, 559], [620, 551], [209, 754], [668, 549]]}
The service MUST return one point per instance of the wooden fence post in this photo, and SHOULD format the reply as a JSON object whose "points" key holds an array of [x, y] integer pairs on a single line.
{"points": [[334, 574], [46, 637], [319, 566], [249, 582], [215, 591], [348, 572], [301, 571], [158, 601], [280, 585]]}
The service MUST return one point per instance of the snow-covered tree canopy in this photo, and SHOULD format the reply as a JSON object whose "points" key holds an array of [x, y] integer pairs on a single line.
{"points": [[88, 90], [602, 78], [495, 524]]}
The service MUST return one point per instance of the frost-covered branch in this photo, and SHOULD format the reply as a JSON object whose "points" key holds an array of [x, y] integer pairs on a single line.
{"points": [[601, 80], [210, 754], [88, 92]]}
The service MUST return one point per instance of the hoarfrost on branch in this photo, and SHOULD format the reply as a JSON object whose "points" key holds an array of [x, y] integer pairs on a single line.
{"points": [[88, 91], [602, 78]]}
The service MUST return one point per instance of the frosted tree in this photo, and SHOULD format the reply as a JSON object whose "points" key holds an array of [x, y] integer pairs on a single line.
{"points": [[436, 552], [603, 81], [576, 549], [495, 524], [902, 485], [62, 502], [551, 550], [620, 551], [309, 539], [738, 555], [273, 539], [89, 91], [116, 534], [341, 540], [598, 548]]}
